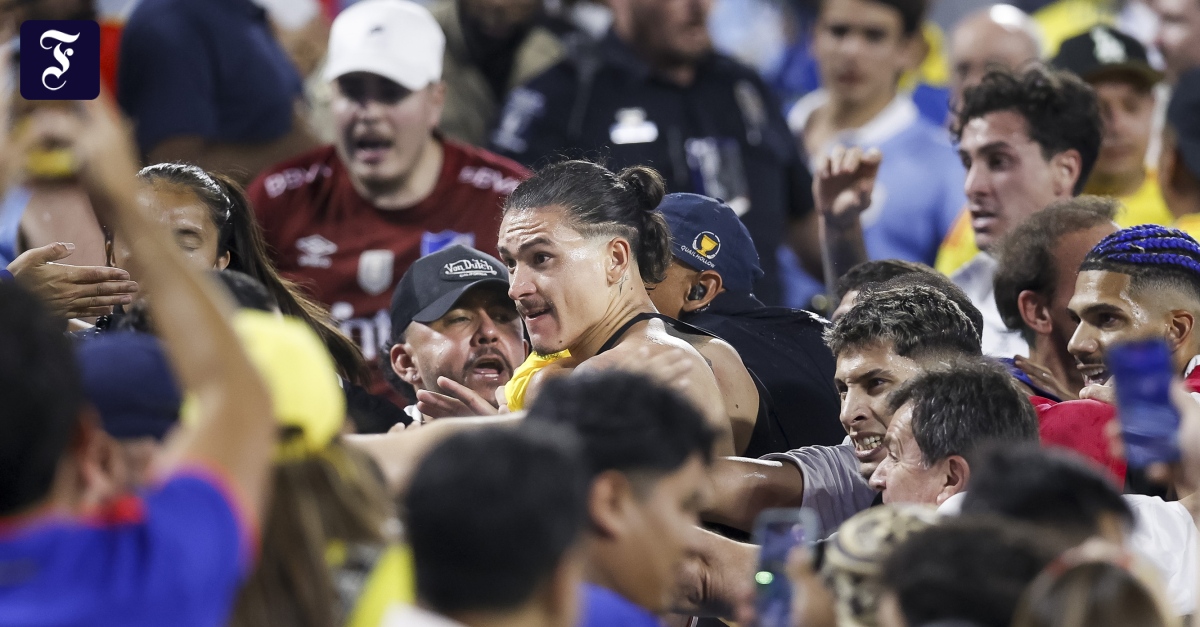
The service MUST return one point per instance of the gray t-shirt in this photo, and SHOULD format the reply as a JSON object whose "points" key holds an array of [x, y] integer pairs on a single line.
{"points": [[833, 489]]}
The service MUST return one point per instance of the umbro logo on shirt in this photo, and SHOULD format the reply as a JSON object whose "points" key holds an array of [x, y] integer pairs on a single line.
{"points": [[315, 251]]}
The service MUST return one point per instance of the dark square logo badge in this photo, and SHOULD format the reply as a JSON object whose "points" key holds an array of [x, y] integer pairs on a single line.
{"points": [[60, 60]]}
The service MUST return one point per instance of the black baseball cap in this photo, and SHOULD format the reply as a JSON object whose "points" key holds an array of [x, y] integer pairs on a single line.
{"points": [[435, 282], [1105, 52], [1182, 118]]}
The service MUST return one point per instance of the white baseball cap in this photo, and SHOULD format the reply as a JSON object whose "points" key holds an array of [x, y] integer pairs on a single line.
{"points": [[396, 39]]}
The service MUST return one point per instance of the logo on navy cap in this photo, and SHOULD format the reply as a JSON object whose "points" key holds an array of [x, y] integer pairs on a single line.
{"points": [[707, 244], [465, 269]]}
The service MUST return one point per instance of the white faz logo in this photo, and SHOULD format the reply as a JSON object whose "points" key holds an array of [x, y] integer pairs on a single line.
{"points": [[468, 269], [59, 55]]}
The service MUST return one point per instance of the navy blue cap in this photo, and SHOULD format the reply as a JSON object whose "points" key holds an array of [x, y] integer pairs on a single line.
{"points": [[127, 378], [707, 235]]}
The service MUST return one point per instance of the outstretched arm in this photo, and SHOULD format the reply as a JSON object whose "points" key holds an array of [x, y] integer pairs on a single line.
{"points": [[71, 291], [236, 433], [744, 487]]}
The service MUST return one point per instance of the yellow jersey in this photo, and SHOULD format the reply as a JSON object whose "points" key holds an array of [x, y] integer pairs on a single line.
{"points": [[1144, 206], [514, 390]]}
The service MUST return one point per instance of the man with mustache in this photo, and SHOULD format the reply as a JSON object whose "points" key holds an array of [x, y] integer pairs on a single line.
{"points": [[347, 220], [454, 329]]}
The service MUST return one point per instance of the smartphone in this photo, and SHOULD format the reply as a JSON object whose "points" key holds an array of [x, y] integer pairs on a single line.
{"points": [[778, 531], [1142, 372]]}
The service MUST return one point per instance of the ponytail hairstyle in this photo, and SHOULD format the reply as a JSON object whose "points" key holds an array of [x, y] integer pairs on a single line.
{"points": [[599, 202], [241, 237]]}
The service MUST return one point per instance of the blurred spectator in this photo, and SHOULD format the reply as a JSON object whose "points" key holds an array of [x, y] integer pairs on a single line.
{"points": [[519, 565], [213, 225], [648, 452], [1179, 160], [454, 326], [492, 47], [1057, 491], [330, 552], [999, 37], [1116, 66], [971, 571], [182, 548], [1036, 266], [347, 220], [1081, 588], [653, 92], [1069, 498], [127, 378], [210, 86], [1022, 153], [939, 419], [849, 285], [854, 557], [709, 283], [1178, 36], [862, 47]]}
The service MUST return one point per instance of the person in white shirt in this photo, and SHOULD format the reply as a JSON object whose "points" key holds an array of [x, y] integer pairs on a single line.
{"points": [[1057, 490]]}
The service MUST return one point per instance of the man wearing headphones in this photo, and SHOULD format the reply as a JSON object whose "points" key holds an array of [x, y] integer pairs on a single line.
{"points": [[709, 285]]}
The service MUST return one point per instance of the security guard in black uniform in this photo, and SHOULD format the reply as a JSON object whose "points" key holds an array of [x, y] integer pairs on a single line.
{"points": [[709, 284], [653, 92]]}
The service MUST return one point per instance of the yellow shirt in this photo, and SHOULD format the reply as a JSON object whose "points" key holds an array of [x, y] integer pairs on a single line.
{"points": [[1189, 224], [514, 390], [1064, 19], [1144, 206]]}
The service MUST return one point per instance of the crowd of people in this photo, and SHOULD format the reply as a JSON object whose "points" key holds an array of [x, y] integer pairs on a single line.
{"points": [[500, 313]]}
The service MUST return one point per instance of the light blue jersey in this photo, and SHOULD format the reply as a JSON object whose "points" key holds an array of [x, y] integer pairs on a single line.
{"points": [[918, 193]]}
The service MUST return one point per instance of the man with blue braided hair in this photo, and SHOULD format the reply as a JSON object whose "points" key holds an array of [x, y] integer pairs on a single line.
{"points": [[1138, 282]]}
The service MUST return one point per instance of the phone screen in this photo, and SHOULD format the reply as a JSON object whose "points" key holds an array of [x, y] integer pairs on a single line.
{"points": [[1142, 372], [778, 531]]}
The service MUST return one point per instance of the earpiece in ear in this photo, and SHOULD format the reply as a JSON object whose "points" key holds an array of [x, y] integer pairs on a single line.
{"points": [[698, 292]]}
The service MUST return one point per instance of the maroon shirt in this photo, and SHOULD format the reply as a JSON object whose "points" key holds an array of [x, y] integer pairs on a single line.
{"points": [[350, 254]]}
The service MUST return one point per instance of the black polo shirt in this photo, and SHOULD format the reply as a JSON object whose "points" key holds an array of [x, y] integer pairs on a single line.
{"points": [[724, 135], [786, 350]]}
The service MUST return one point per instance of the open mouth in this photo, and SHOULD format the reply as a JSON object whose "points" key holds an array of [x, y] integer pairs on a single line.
{"points": [[1094, 374], [533, 314], [866, 445], [488, 366], [371, 148]]}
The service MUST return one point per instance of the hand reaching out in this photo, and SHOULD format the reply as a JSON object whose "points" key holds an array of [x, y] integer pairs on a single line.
{"points": [[843, 183], [1044, 378], [460, 401], [71, 291]]}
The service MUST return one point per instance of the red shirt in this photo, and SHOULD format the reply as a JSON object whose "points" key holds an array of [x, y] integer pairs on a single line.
{"points": [[349, 253]]}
